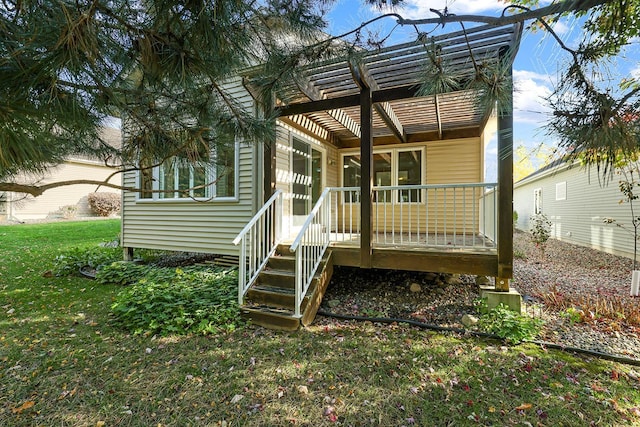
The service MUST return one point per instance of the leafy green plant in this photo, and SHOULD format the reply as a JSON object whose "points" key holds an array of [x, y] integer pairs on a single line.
{"points": [[169, 301], [121, 273], [540, 230], [574, 315], [510, 325], [519, 254], [69, 262]]}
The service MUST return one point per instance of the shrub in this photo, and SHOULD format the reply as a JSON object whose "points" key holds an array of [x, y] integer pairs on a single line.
{"points": [[68, 211], [180, 301], [509, 325], [104, 204], [70, 261], [540, 229]]}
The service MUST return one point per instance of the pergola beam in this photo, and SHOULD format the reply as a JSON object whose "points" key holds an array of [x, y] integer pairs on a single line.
{"points": [[438, 118], [337, 114], [363, 77]]}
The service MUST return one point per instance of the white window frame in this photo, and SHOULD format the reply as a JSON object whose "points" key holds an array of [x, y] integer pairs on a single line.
{"points": [[395, 166], [212, 188], [537, 201], [561, 190]]}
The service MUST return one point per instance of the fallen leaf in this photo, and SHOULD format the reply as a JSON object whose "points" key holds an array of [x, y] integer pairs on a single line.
{"points": [[26, 405], [523, 407], [100, 424], [237, 398], [615, 375]]}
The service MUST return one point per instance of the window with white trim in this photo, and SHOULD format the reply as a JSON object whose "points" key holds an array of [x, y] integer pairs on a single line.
{"points": [[561, 190], [177, 177], [390, 168], [537, 201]]}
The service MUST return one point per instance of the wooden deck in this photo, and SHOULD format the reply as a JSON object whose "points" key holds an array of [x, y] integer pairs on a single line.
{"points": [[456, 254]]}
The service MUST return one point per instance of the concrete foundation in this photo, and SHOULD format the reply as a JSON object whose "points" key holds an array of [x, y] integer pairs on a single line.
{"points": [[511, 299]]}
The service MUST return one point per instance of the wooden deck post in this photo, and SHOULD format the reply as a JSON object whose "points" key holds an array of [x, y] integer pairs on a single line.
{"points": [[269, 157], [505, 188], [366, 168]]}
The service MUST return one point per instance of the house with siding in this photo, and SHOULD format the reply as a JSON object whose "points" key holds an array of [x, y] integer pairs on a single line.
{"points": [[51, 204], [577, 201], [365, 171]]}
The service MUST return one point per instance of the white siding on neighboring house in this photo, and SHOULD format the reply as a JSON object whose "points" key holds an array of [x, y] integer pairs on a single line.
{"points": [[576, 202], [21, 207], [197, 226]]}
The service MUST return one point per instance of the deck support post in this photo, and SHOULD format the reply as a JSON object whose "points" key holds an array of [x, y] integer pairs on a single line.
{"points": [[269, 156], [366, 158], [505, 186]]}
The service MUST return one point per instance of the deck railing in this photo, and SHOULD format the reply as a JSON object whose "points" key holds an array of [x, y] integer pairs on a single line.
{"points": [[259, 240], [310, 245], [442, 215]]}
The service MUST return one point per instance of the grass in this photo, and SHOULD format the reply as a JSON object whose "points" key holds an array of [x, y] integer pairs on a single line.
{"points": [[64, 363]]}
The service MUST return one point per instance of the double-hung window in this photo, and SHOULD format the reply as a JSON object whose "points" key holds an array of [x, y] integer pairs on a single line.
{"points": [[390, 168], [212, 176]]}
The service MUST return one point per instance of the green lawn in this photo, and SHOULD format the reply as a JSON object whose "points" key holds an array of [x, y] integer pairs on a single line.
{"points": [[63, 363]]}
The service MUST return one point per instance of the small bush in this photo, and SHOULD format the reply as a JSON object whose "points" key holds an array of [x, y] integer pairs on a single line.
{"points": [[69, 211], [104, 204], [70, 262], [509, 325], [540, 229], [180, 301]]}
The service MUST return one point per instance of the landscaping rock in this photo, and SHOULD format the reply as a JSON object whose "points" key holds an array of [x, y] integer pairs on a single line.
{"points": [[415, 288], [469, 320]]}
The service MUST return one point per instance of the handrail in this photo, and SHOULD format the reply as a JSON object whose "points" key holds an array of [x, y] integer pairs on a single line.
{"points": [[431, 186], [256, 217], [310, 245], [309, 219], [259, 238]]}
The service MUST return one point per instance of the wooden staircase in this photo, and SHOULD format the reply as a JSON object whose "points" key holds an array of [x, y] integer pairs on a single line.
{"points": [[270, 301]]}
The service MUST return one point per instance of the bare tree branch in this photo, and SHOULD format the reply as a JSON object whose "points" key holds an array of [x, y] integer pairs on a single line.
{"points": [[552, 9]]}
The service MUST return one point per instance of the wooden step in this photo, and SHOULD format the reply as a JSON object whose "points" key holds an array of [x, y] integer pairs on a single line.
{"points": [[284, 249], [277, 297], [285, 279], [282, 262], [270, 301], [281, 320]]}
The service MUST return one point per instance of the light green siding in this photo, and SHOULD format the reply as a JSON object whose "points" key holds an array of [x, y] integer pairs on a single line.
{"points": [[187, 225], [578, 218]]}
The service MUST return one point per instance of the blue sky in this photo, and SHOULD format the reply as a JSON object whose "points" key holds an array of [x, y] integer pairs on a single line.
{"points": [[536, 68]]}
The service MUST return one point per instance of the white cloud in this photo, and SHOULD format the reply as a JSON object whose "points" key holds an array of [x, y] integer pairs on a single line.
{"points": [[417, 9], [531, 91], [635, 73]]}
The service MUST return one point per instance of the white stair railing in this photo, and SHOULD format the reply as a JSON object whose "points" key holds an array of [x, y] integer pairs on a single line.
{"points": [[310, 245], [259, 240]]}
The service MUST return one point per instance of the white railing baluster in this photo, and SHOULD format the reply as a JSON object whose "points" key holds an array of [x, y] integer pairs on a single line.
{"points": [[310, 245], [258, 241]]}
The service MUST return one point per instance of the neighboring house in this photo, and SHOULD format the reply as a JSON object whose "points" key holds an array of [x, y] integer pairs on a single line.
{"points": [[364, 173], [576, 201], [52, 203]]}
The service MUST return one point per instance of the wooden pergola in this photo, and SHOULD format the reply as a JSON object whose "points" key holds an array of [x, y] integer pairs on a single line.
{"points": [[380, 99]]}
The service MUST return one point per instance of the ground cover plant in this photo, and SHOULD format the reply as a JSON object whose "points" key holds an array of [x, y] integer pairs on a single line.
{"points": [[63, 361]]}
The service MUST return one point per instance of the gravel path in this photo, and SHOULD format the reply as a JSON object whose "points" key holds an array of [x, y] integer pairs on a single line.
{"points": [[566, 269]]}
